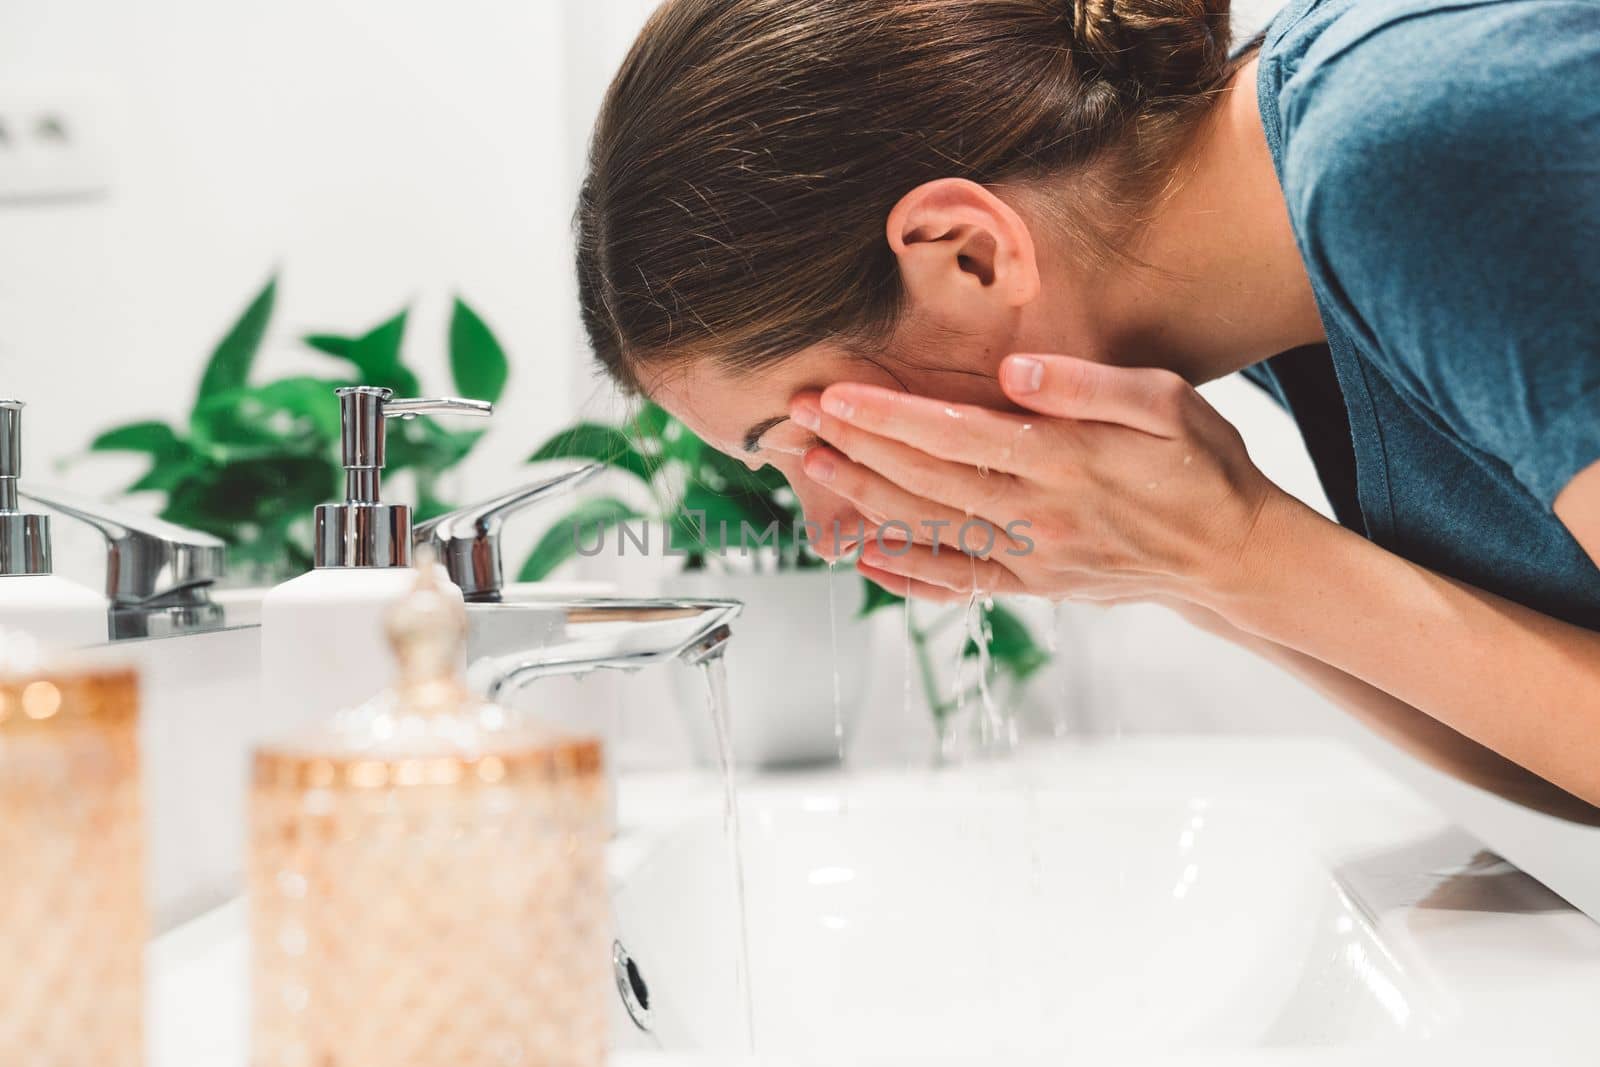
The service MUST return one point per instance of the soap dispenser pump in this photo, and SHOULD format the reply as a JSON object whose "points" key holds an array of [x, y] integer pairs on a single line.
{"points": [[33, 599], [322, 647]]}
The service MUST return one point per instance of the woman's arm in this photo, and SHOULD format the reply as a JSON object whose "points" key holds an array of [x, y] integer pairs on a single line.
{"points": [[1518, 682], [1421, 736]]}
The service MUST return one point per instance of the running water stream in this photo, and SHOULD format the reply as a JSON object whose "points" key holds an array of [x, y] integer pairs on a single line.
{"points": [[994, 735], [833, 640], [905, 611], [716, 672]]}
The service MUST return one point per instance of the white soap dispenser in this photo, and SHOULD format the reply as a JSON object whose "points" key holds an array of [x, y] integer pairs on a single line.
{"points": [[322, 644], [54, 611]]}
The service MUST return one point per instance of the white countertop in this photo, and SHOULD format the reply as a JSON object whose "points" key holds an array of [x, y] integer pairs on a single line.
{"points": [[1485, 937]]}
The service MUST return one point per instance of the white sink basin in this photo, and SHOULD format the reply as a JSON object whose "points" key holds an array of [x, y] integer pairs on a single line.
{"points": [[1177, 900], [975, 927], [1154, 897]]}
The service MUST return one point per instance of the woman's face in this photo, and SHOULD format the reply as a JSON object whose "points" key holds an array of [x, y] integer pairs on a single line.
{"points": [[745, 415]]}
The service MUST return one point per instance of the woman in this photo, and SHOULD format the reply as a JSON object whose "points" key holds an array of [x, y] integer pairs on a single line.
{"points": [[946, 258]]}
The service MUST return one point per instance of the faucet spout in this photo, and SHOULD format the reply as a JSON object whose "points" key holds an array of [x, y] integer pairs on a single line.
{"points": [[709, 648], [514, 644]]}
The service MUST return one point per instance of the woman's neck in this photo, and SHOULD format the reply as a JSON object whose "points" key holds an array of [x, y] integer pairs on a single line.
{"points": [[1220, 283]]}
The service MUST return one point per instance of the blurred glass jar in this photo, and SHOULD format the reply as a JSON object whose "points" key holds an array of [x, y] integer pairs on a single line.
{"points": [[72, 898], [427, 877]]}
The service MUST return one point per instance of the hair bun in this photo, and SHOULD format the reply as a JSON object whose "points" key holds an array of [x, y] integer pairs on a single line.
{"points": [[1152, 48]]}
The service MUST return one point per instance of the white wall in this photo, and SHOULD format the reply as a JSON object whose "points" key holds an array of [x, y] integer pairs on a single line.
{"points": [[377, 152]]}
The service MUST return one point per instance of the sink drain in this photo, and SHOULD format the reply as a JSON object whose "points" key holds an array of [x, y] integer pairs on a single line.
{"points": [[630, 986]]}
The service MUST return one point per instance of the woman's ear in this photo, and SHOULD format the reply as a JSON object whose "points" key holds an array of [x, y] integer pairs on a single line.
{"points": [[965, 256]]}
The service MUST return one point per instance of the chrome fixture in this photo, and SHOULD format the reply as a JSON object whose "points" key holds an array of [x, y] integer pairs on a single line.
{"points": [[24, 537], [363, 531], [467, 540], [713, 645], [158, 574], [513, 644]]}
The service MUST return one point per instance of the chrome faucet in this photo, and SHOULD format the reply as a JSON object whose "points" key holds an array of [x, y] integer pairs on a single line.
{"points": [[560, 637], [467, 540], [158, 574], [512, 644]]}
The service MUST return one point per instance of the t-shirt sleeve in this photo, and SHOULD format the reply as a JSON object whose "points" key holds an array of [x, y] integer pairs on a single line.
{"points": [[1443, 169]]}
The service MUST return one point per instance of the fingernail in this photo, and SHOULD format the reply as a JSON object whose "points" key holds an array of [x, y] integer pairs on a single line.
{"points": [[819, 468], [838, 407], [807, 414], [1024, 374]]}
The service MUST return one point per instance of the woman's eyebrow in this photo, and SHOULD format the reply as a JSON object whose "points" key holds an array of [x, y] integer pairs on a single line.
{"points": [[753, 436]]}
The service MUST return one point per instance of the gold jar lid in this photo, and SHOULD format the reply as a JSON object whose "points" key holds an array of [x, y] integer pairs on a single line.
{"points": [[429, 728]]}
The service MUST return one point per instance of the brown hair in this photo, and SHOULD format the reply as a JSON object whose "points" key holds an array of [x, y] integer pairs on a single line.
{"points": [[749, 151]]}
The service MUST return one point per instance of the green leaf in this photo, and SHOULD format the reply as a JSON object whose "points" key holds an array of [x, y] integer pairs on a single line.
{"points": [[166, 475], [679, 443], [229, 366], [651, 422], [270, 493], [877, 598], [477, 361], [559, 542], [375, 354], [291, 417], [153, 438], [597, 442], [718, 513], [331, 344], [724, 473], [173, 460]]}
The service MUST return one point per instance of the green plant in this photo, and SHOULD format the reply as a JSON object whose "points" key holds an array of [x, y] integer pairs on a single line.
{"points": [[253, 460], [685, 479]]}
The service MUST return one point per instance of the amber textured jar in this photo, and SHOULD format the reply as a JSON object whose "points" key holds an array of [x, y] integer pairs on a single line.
{"points": [[72, 901], [427, 879]]}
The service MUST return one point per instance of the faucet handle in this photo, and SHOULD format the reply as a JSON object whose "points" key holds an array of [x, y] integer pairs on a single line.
{"points": [[468, 539], [148, 559]]}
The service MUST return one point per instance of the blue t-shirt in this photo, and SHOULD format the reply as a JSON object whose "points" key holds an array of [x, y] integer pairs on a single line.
{"points": [[1441, 164]]}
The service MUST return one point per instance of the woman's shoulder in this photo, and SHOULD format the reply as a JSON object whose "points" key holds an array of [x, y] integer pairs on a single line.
{"points": [[1437, 158], [1422, 83], [1401, 121]]}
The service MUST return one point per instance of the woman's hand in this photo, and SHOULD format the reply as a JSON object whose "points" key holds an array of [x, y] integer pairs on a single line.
{"points": [[1126, 485]]}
